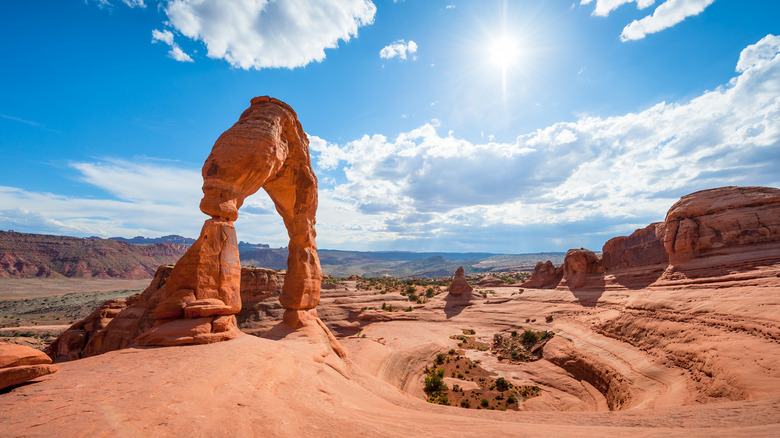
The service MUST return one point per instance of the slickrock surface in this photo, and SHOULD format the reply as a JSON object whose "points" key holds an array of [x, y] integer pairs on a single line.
{"points": [[19, 364], [459, 287], [691, 360]]}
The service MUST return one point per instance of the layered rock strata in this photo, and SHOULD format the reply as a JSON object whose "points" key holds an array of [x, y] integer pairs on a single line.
{"points": [[20, 364], [707, 233]]}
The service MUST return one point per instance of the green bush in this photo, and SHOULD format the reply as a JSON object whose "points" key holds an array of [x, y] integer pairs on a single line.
{"points": [[529, 337], [502, 384], [465, 403], [484, 402], [434, 384]]}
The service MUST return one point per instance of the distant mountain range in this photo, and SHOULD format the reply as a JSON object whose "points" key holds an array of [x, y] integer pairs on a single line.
{"points": [[34, 255]]}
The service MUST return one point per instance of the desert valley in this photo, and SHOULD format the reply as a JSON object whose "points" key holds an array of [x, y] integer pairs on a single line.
{"points": [[673, 330]]}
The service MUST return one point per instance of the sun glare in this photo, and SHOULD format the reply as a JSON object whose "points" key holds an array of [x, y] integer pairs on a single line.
{"points": [[504, 51]]}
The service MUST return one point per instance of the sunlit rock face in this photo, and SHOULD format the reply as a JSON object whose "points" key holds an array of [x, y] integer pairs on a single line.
{"points": [[460, 288], [709, 220], [267, 149], [545, 276], [20, 364]]}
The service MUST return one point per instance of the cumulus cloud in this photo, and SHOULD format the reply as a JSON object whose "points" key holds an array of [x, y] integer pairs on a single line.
{"points": [[668, 14], [269, 33], [166, 36], [620, 170], [399, 49], [567, 185]]}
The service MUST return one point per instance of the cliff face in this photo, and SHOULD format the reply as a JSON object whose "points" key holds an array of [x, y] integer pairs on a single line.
{"points": [[36, 255], [717, 230], [643, 247], [707, 221]]}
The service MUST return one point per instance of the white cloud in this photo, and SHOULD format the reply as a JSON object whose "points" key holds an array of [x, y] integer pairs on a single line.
{"points": [[166, 36], [400, 49], [131, 3], [664, 17], [269, 33], [668, 14], [570, 184], [626, 169]]}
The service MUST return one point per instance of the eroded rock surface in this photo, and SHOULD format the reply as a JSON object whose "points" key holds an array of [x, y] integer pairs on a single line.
{"points": [[20, 364], [116, 323], [460, 288], [267, 149], [545, 275], [706, 221], [579, 264], [643, 247]]}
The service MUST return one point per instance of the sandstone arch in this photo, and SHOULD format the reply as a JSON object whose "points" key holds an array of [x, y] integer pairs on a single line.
{"points": [[267, 149]]}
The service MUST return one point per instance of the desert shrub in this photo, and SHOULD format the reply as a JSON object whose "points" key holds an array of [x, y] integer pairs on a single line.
{"points": [[456, 388], [514, 333], [502, 384], [498, 339], [411, 289], [412, 296], [440, 358], [511, 399], [408, 309], [529, 337], [484, 402], [465, 403], [469, 332], [430, 292], [434, 384]]}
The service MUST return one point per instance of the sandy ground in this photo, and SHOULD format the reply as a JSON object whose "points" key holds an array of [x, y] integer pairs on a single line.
{"points": [[682, 360], [18, 288]]}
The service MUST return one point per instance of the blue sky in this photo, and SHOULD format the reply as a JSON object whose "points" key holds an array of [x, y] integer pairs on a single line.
{"points": [[516, 126]]}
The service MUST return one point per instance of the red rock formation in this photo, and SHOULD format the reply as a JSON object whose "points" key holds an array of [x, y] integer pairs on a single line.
{"points": [[643, 247], [706, 221], [267, 149], [19, 364], [116, 323], [578, 265], [460, 288], [545, 275]]}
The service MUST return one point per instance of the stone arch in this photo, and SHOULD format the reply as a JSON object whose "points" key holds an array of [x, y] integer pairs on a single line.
{"points": [[266, 148]]}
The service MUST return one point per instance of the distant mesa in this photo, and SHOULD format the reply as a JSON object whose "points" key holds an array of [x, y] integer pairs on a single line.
{"points": [[140, 240], [43, 256], [460, 288], [20, 364], [708, 233]]}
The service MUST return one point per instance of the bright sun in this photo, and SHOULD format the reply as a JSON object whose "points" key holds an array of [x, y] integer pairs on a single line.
{"points": [[504, 51]]}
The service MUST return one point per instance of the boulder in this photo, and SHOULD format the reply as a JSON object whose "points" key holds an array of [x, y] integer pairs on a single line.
{"points": [[460, 288], [19, 364], [578, 265], [545, 276], [706, 221]]}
